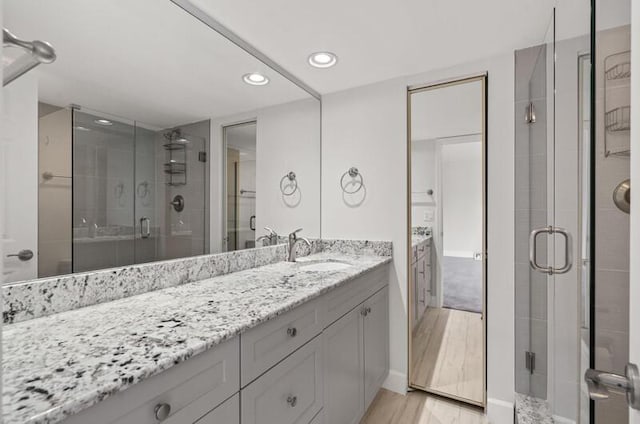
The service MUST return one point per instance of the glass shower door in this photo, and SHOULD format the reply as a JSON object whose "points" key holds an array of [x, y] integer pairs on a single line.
{"points": [[103, 191]]}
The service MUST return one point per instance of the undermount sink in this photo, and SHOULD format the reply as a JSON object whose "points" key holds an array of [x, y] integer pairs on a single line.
{"points": [[323, 265]]}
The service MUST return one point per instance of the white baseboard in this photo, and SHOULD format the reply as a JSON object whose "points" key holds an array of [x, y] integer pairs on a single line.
{"points": [[499, 411], [396, 382], [459, 253], [562, 420]]}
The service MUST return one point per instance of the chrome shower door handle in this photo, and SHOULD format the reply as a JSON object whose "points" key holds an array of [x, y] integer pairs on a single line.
{"points": [[601, 383], [533, 251], [145, 227], [568, 249]]}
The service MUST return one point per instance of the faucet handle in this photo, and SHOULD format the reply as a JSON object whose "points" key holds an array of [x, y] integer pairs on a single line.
{"points": [[296, 232], [271, 232]]}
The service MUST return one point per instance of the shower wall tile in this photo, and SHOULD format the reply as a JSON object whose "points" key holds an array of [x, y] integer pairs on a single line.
{"points": [[613, 292]]}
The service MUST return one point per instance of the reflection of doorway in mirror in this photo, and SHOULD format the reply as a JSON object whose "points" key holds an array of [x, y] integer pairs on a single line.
{"points": [[447, 265], [240, 150]]}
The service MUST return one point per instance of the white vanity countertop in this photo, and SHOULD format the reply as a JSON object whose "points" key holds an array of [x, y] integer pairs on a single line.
{"points": [[61, 364]]}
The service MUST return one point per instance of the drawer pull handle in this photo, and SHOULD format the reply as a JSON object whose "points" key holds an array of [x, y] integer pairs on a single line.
{"points": [[162, 411], [292, 332], [292, 401]]}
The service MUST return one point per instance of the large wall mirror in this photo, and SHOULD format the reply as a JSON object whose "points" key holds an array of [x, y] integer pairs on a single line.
{"points": [[180, 144], [447, 260]]}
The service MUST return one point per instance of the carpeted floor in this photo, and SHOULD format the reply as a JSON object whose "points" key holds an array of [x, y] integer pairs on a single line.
{"points": [[462, 284]]}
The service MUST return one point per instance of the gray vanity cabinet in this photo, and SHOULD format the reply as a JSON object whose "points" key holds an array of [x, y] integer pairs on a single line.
{"points": [[227, 413], [290, 392], [321, 362], [344, 371], [376, 343], [180, 395], [357, 359], [421, 280]]}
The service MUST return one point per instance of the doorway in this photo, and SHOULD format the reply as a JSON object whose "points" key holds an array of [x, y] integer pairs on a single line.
{"points": [[447, 238], [240, 162]]}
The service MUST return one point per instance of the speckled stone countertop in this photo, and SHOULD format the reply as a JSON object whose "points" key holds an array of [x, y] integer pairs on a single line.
{"points": [[531, 410], [58, 365], [417, 240]]}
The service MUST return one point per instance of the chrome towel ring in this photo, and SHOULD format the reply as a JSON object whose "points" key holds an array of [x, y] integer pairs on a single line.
{"points": [[285, 187], [357, 180]]}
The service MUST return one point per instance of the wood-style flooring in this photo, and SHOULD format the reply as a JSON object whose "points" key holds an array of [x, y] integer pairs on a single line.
{"points": [[447, 353], [419, 408]]}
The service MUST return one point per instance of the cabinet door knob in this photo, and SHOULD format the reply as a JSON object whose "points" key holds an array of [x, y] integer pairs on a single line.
{"points": [[292, 401], [363, 312], [292, 331], [162, 411], [368, 310]]}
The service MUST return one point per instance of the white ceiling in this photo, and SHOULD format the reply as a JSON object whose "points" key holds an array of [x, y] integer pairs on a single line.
{"points": [[380, 39], [145, 60]]}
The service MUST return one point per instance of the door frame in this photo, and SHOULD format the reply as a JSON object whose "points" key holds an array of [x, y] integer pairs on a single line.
{"points": [[224, 194], [483, 78]]}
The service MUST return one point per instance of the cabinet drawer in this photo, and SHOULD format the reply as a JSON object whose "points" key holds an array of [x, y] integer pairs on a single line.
{"points": [[267, 344], [289, 393], [353, 293], [190, 389], [227, 413]]}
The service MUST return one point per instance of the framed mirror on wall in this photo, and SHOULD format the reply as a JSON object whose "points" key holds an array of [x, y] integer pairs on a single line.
{"points": [[128, 153], [447, 238]]}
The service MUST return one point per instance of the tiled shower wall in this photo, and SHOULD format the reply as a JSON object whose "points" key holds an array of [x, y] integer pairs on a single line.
{"points": [[612, 233], [531, 213]]}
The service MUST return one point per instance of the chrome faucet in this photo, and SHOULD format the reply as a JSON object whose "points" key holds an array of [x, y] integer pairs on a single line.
{"points": [[272, 237], [293, 241]]}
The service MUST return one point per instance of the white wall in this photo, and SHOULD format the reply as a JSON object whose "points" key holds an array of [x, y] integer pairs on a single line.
{"points": [[423, 178], [288, 139], [367, 127], [461, 199]]}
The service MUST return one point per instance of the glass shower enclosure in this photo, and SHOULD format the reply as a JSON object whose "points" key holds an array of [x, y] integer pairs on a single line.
{"points": [[571, 211], [139, 193]]}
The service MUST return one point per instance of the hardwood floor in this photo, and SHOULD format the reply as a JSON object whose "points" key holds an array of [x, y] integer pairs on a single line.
{"points": [[447, 353], [419, 408]]}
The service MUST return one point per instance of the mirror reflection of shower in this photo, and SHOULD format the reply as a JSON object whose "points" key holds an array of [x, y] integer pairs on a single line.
{"points": [[107, 187], [240, 141]]}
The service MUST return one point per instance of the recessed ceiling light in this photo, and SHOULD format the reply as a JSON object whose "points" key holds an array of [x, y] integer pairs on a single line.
{"points": [[105, 122], [79, 128], [255, 78], [323, 59], [182, 140]]}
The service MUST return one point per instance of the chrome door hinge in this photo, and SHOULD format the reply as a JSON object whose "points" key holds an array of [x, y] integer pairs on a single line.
{"points": [[530, 361], [530, 114]]}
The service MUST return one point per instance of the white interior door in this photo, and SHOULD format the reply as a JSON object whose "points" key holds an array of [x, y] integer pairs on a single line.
{"points": [[19, 179]]}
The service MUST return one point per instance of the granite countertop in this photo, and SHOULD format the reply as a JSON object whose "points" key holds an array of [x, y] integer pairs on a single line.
{"points": [[531, 410], [61, 364], [417, 239]]}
